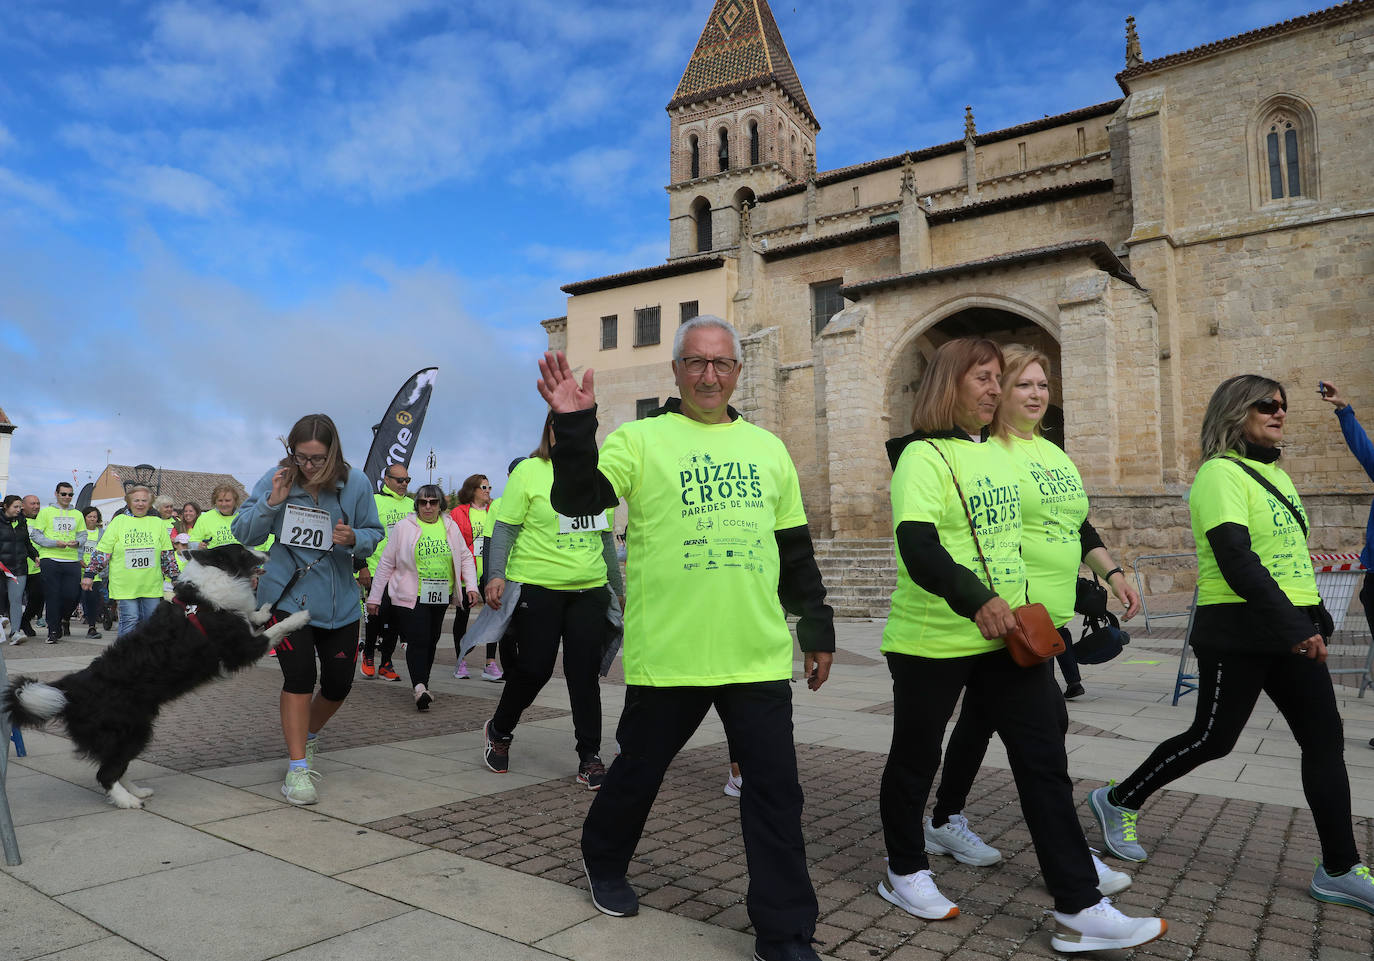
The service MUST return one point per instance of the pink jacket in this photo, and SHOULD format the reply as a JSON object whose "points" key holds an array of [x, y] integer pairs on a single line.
{"points": [[397, 570]]}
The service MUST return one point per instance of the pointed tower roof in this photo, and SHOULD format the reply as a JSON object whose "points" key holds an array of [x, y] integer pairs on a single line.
{"points": [[740, 47]]}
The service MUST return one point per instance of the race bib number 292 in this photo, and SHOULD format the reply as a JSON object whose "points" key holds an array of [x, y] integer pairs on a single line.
{"points": [[307, 527]]}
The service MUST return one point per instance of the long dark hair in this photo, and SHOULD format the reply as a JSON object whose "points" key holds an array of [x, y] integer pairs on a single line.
{"points": [[468, 491], [321, 428]]}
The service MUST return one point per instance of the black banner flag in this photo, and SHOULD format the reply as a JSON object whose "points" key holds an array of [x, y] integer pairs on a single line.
{"points": [[395, 438]]}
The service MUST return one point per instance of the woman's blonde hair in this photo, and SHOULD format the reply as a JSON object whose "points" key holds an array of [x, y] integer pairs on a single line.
{"points": [[939, 388], [1015, 359], [545, 449], [321, 428], [1223, 425], [229, 489]]}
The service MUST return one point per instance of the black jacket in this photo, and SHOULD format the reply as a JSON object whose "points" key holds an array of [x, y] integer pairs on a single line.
{"points": [[15, 546]]}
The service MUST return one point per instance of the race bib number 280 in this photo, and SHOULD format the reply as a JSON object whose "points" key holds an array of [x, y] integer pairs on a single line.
{"points": [[307, 527], [139, 558], [585, 524]]}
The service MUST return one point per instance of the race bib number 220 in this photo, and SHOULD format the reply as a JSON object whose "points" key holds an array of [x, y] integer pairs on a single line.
{"points": [[307, 527]]}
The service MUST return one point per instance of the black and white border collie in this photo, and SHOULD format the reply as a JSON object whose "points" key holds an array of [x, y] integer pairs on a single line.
{"points": [[212, 629]]}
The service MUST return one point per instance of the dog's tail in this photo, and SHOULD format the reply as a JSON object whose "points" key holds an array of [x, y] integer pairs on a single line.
{"points": [[30, 703]]}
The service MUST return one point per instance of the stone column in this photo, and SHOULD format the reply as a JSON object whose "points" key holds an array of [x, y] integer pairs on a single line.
{"points": [[756, 394], [914, 230], [850, 406]]}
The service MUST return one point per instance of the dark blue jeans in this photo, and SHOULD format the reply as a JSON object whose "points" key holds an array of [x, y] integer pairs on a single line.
{"points": [[61, 589]]}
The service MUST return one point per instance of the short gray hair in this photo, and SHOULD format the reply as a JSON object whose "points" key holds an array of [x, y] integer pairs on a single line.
{"points": [[1223, 426], [706, 320]]}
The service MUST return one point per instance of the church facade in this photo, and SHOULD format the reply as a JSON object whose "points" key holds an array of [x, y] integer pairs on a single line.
{"points": [[1214, 220]]}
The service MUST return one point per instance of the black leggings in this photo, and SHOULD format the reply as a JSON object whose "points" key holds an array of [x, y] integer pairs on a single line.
{"points": [[1026, 709], [530, 649], [35, 599], [1228, 687], [385, 623], [420, 626], [337, 650], [968, 743]]}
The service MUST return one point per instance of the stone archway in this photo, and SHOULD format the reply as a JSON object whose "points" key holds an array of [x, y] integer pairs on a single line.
{"points": [[980, 319]]}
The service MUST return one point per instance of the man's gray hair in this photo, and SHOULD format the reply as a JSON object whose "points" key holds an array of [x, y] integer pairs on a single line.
{"points": [[706, 320]]}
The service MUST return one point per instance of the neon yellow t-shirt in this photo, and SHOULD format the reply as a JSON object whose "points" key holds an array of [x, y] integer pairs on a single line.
{"points": [[1053, 508], [135, 546], [480, 528], [701, 559], [1222, 493], [59, 525], [562, 553], [433, 556], [921, 623], [390, 509], [213, 528]]}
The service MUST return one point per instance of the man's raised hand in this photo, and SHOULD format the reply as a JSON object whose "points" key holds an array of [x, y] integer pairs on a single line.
{"points": [[558, 385]]}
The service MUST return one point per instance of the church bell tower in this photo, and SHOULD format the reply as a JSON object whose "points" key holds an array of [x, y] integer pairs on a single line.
{"points": [[740, 125]]}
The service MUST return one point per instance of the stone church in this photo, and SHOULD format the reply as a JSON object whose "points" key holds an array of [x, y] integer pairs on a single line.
{"points": [[1214, 220]]}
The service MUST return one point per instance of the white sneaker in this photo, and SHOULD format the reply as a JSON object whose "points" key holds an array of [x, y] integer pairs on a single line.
{"points": [[1110, 882], [297, 788], [1102, 927], [733, 785], [917, 894], [956, 839]]}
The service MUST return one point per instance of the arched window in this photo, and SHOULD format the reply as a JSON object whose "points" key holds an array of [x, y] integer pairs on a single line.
{"points": [[1283, 152], [1281, 156], [724, 150], [753, 141], [701, 213], [694, 149]]}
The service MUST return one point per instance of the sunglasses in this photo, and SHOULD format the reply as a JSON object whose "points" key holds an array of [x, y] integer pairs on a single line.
{"points": [[400, 480], [426, 501], [1269, 406], [484, 487]]}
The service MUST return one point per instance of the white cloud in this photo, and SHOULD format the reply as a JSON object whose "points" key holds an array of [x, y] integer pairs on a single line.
{"points": [[45, 197], [177, 190]]}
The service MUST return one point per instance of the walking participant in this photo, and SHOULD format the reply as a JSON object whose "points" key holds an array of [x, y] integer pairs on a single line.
{"points": [[717, 537], [16, 550], [472, 518], [424, 558], [322, 514], [95, 598], [1259, 627], [33, 586], [166, 508], [565, 569], [134, 556], [55, 531], [956, 512], [1055, 537], [393, 504]]}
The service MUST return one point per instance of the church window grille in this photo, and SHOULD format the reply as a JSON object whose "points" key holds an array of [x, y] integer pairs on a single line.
{"points": [[694, 160], [610, 332], [687, 310], [646, 326], [753, 142], [1281, 147], [723, 152], [826, 302]]}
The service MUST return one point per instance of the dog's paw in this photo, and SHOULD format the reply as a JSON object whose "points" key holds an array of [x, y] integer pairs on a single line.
{"points": [[121, 798], [261, 616], [295, 622], [139, 792]]}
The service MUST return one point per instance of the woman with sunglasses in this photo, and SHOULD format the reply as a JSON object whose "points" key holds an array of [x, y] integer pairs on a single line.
{"points": [[423, 553], [323, 517], [471, 516], [562, 567], [1258, 627]]}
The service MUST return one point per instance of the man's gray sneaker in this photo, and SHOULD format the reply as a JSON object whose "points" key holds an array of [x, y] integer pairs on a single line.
{"points": [[957, 839], [1118, 826], [1354, 888]]}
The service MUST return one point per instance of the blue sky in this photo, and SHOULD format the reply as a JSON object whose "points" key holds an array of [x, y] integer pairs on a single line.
{"points": [[216, 217]]}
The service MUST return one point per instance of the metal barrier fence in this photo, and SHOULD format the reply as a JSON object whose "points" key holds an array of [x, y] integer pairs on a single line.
{"points": [[1145, 561]]}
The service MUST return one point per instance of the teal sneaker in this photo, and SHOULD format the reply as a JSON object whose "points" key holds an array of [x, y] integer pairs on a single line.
{"points": [[1118, 826], [1354, 888], [298, 787]]}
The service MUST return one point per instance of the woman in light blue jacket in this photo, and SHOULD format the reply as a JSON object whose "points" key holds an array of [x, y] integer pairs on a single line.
{"points": [[321, 512]]}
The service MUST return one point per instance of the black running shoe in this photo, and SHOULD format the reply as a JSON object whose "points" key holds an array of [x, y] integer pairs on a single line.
{"points": [[496, 754], [93, 634], [592, 773], [612, 896]]}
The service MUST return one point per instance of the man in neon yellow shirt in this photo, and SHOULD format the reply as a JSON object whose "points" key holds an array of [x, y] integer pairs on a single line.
{"points": [[58, 533], [716, 538]]}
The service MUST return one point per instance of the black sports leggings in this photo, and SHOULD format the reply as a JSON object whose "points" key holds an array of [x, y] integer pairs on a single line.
{"points": [[337, 650], [420, 626], [1228, 686]]}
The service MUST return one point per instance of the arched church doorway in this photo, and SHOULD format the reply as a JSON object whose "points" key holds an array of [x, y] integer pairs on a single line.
{"points": [[999, 325]]}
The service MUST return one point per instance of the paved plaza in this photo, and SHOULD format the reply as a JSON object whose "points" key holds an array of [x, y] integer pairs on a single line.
{"points": [[416, 851]]}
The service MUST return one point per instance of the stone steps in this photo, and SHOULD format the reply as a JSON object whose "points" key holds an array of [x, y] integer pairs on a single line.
{"points": [[859, 575]]}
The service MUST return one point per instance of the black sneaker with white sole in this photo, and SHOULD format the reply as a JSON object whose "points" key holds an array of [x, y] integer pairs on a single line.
{"points": [[592, 773], [496, 754], [612, 896]]}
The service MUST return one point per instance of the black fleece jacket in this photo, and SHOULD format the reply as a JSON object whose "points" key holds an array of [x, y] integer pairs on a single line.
{"points": [[579, 488], [15, 546]]}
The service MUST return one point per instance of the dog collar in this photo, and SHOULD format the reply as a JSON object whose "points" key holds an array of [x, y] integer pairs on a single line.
{"points": [[190, 611]]}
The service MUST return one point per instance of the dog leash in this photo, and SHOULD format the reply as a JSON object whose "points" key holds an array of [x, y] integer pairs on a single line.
{"points": [[190, 611]]}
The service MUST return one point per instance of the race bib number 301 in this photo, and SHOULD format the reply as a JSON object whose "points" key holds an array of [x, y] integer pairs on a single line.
{"points": [[139, 558], [585, 524], [307, 527]]}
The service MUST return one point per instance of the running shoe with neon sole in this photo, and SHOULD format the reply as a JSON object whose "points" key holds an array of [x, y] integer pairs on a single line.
{"points": [[387, 673], [493, 672], [917, 895], [1354, 888], [957, 839], [1118, 826], [1103, 928], [366, 667], [298, 787]]}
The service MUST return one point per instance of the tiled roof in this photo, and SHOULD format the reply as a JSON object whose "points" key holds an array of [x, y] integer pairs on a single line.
{"points": [[182, 485], [1027, 198], [740, 47], [838, 239], [939, 150], [1329, 15], [5, 422], [672, 268], [1095, 250]]}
